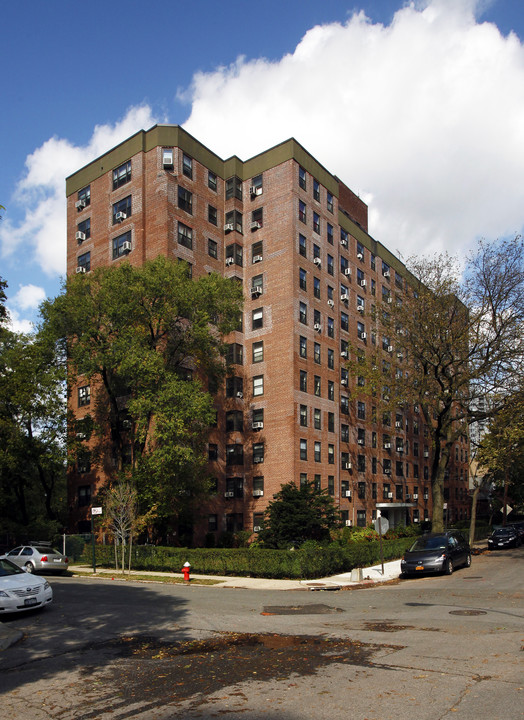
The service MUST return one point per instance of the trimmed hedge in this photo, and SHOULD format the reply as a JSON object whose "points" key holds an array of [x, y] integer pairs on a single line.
{"points": [[305, 563]]}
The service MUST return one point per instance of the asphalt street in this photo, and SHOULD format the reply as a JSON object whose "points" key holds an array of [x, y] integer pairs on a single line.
{"points": [[427, 649]]}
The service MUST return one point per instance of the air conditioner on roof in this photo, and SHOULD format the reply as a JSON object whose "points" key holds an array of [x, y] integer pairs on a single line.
{"points": [[80, 269], [80, 236], [80, 204], [120, 216]]}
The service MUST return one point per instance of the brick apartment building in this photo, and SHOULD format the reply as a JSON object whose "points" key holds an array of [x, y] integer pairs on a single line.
{"points": [[297, 239]]}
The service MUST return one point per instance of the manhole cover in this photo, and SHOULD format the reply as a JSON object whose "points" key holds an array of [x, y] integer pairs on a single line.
{"points": [[300, 610], [467, 612]]}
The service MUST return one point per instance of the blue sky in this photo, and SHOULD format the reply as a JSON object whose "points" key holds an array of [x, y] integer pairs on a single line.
{"points": [[418, 108]]}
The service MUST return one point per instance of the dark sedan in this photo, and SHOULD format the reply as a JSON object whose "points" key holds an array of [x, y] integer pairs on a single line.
{"points": [[436, 553], [503, 538]]}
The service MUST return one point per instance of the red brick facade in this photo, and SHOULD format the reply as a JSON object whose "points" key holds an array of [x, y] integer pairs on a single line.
{"points": [[290, 414]]}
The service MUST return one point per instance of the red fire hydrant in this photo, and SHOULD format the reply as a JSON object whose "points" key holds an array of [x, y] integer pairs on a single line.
{"points": [[185, 572]]}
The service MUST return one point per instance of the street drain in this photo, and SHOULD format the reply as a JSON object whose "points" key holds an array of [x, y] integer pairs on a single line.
{"points": [[318, 609], [467, 612]]}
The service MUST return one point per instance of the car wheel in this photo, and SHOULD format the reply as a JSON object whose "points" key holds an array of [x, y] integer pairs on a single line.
{"points": [[448, 566], [29, 567], [468, 560]]}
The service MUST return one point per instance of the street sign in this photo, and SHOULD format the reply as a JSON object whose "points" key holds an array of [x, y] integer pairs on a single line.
{"points": [[96, 511], [384, 525]]}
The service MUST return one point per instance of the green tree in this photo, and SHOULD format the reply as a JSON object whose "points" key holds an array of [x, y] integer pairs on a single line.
{"points": [[3, 298], [297, 514], [449, 339], [32, 437], [147, 339]]}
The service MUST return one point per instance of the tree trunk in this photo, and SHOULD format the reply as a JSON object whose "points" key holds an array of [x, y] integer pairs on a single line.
{"points": [[473, 520]]}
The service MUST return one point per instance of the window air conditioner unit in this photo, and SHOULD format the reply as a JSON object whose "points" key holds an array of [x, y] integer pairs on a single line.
{"points": [[390, 299], [386, 273], [167, 159], [363, 282], [415, 496], [347, 271], [228, 227], [317, 327], [255, 225], [344, 381], [426, 453], [344, 354], [255, 292], [348, 523], [120, 216], [257, 258], [317, 261], [80, 269], [258, 425], [348, 466], [360, 256], [256, 528], [398, 424], [363, 335], [387, 446], [258, 460], [390, 496], [408, 496], [344, 297], [126, 424], [390, 348], [80, 236], [387, 472], [80, 204], [255, 190], [80, 436], [229, 494], [360, 441], [415, 520], [229, 261], [347, 493], [331, 303], [240, 395], [126, 246], [400, 357], [343, 242], [360, 309]]}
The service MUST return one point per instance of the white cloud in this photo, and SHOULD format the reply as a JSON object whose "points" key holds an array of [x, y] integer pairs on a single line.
{"points": [[423, 118], [41, 192], [28, 297]]}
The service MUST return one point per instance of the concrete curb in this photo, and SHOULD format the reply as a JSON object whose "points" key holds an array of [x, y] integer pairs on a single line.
{"points": [[9, 637]]}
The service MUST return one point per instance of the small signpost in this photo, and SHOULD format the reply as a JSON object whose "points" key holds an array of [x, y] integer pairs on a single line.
{"points": [[381, 526], [94, 511]]}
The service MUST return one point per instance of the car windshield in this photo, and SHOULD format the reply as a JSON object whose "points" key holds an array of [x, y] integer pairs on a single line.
{"points": [[7, 568], [429, 543], [503, 531]]}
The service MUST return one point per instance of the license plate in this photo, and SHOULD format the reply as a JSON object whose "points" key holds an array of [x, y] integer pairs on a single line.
{"points": [[30, 601], [419, 567], [57, 560]]}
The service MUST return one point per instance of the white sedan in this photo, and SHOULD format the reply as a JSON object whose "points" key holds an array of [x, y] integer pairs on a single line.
{"points": [[20, 590]]}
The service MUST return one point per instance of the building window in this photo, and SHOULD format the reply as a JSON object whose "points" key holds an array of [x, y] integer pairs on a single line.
{"points": [[258, 485], [344, 321], [331, 454], [331, 390], [303, 347], [212, 452], [212, 523], [235, 354], [303, 449], [84, 261], [344, 433], [303, 313], [234, 387], [258, 385], [84, 198], [303, 381], [212, 248], [235, 454], [84, 395], [122, 175], [84, 227], [185, 200], [302, 177], [212, 180], [122, 210], [331, 422], [361, 518], [257, 319], [302, 246], [302, 279], [317, 386], [187, 166], [361, 489], [316, 223], [185, 236], [257, 219], [330, 234], [258, 352], [316, 353], [84, 462], [302, 211], [330, 265], [84, 495], [344, 265], [316, 287], [361, 437], [316, 190], [233, 188], [212, 215], [234, 254], [317, 419], [331, 358], [256, 186], [317, 451], [303, 415], [258, 453], [330, 327], [235, 486], [361, 410], [257, 252], [233, 221]]}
